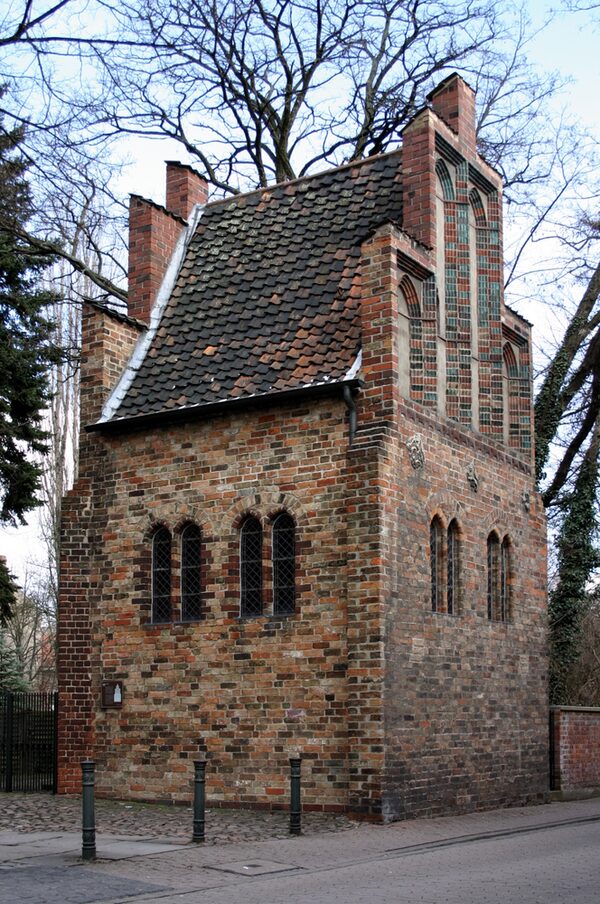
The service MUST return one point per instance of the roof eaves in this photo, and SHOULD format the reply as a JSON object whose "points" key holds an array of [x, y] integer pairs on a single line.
{"points": [[515, 313], [209, 409]]}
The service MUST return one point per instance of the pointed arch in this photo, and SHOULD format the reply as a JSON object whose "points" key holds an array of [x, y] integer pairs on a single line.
{"points": [[284, 564], [191, 572], [493, 574], [504, 613], [511, 391], [436, 554], [161, 575], [251, 584], [447, 186], [411, 364], [499, 562], [413, 307], [478, 208], [452, 567]]}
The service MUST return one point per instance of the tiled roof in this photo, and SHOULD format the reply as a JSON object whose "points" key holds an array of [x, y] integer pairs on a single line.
{"points": [[266, 299]]}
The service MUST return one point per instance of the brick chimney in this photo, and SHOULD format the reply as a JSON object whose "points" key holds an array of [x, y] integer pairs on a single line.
{"points": [[153, 234], [185, 189], [454, 101]]}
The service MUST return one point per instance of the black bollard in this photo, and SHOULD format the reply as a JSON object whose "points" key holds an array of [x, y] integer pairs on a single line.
{"points": [[199, 800], [295, 805], [88, 848]]}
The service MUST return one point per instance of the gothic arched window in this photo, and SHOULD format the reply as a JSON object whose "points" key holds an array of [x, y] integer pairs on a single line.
{"points": [[161, 576], [452, 564], [284, 564], [504, 612], [499, 565], [251, 567], [191, 572], [436, 535]]}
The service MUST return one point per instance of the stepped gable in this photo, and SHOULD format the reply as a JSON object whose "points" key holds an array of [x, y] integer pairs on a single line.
{"points": [[264, 301]]}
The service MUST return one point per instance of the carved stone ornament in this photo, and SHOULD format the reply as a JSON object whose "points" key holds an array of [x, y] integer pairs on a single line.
{"points": [[472, 478], [415, 451], [526, 500]]}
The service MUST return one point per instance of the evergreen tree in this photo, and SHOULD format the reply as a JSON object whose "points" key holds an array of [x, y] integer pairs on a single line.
{"points": [[26, 348], [11, 669], [8, 590]]}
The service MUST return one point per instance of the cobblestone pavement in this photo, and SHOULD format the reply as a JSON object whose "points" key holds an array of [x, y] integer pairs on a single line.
{"points": [[47, 812]]}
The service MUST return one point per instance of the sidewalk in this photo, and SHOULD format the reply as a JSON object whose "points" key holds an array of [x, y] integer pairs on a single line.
{"points": [[146, 868], [44, 812]]}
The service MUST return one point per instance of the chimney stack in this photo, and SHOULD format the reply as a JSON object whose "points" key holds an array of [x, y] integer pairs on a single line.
{"points": [[154, 232], [185, 189], [454, 101]]}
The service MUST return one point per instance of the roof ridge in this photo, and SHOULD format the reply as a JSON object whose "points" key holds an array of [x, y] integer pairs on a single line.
{"points": [[309, 177]]}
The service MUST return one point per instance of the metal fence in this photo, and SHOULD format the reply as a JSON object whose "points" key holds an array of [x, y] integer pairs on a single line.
{"points": [[28, 756]]}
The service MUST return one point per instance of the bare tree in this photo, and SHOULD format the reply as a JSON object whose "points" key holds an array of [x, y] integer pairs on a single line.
{"points": [[265, 90], [30, 635], [257, 91], [582, 682]]}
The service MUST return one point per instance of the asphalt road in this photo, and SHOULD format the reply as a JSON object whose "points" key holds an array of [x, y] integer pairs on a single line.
{"points": [[549, 865]]}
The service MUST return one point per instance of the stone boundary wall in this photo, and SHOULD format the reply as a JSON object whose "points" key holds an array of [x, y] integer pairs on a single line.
{"points": [[575, 750]]}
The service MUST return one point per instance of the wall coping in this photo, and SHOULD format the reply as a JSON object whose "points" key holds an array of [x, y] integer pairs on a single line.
{"points": [[575, 709]]}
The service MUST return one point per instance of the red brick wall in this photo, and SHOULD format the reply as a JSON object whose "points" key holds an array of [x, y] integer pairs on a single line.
{"points": [[464, 698], [107, 342], [395, 710], [248, 693], [575, 748]]}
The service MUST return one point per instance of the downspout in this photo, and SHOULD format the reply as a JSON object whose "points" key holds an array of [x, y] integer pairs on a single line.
{"points": [[348, 399]]}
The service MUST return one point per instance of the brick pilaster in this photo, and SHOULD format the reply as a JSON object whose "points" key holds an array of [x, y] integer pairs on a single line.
{"points": [[379, 324], [107, 341]]}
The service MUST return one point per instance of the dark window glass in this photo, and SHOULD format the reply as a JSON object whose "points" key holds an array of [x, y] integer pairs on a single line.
{"points": [[504, 579], [284, 565], [251, 567], [435, 549], [191, 580], [493, 565], [161, 576], [453, 566]]}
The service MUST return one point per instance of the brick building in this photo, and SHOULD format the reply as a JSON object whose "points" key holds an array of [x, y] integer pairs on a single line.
{"points": [[305, 518]]}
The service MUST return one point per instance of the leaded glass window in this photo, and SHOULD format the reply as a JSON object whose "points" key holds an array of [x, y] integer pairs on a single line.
{"points": [[284, 565], [504, 579], [452, 568], [251, 567], [436, 553], [161, 576], [191, 577]]}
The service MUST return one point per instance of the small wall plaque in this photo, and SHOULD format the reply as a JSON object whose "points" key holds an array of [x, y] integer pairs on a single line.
{"points": [[112, 694]]}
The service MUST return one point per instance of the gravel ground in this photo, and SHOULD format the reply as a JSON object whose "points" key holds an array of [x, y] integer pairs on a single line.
{"points": [[47, 812]]}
